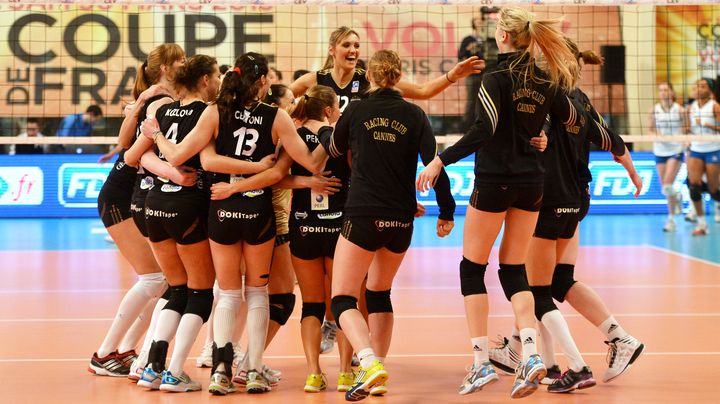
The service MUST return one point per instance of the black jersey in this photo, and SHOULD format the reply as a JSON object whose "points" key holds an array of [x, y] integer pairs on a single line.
{"points": [[307, 204], [355, 89], [176, 122], [564, 155], [248, 136], [386, 134], [511, 111]]}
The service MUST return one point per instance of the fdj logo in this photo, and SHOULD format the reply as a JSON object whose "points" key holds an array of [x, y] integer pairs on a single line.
{"points": [[79, 184], [611, 180]]}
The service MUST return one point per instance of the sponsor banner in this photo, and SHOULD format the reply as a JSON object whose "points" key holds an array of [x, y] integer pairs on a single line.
{"points": [[68, 186], [21, 186], [59, 58]]}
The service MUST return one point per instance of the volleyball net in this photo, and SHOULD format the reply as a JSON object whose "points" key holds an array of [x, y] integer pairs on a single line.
{"points": [[60, 57]]}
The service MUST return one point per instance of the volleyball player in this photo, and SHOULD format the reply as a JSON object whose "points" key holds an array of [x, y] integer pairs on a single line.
{"points": [[560, 178], [668, 118], [385, 134], [704, 158], [515, 99], [117, 352], [176, 218]]}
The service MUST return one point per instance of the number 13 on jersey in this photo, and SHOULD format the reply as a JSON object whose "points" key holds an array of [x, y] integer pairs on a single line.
{"points": [[247, 141]]}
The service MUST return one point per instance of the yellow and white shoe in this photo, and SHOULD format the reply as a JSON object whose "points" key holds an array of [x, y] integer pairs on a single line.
{"points": [[345, 381], [315, 383], [379, 389], [366, 379]]}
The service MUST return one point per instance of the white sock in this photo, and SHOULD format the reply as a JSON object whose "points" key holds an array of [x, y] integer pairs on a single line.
{"points": [[145, 350], [167, 325], [701, 221], [187, 332], [557, 326], [138, 328], [514, 340], [147, 287], [528, 336], [547, 346], [612, 329], [225, 313], [240, 322], [480, 350], [367, 357], [258, 317], [381, 359]]}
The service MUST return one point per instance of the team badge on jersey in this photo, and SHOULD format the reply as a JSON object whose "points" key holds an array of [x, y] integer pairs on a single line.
{"points": [[355, 86]]}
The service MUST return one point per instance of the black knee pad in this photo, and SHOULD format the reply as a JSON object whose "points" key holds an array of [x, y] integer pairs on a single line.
{"points": [[563, 279], [281, 307], [716, 195], [472, 278], [178, 299], [378, 301], [200, 302], [167, 293], [340, 304], [513, 279], [310, 309], [158, 355], [695, 192], [543, 300]]}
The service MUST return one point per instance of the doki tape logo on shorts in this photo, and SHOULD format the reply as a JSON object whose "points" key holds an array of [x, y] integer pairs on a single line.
{"points": [[21, 186], [381, 225], [79, 184]]}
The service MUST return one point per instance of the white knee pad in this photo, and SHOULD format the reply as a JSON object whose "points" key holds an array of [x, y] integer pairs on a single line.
{"points": [[668, 190], [151, 285]]}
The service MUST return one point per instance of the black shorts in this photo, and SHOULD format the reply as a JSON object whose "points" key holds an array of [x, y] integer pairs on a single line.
{"points": [[239, 218], [497, 198], [143, 184], [316, 239], [372, 233], [181, 216], [557, 222], [584, 203], [114, 203]]}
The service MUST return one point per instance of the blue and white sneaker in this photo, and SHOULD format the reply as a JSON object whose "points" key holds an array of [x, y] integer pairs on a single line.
{"points": [[149, 379], [478, 377], [178, 384], [528, 376]]}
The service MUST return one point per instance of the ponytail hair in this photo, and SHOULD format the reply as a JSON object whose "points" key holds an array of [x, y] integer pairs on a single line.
{"points": [[150, 71], [540, 41], [188, 76], [241, 84], [385, 67], [335, 38], [588, 57], [312, 104]]}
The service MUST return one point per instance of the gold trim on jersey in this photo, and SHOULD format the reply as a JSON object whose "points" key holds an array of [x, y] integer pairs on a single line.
{"points": [[326, 72]]}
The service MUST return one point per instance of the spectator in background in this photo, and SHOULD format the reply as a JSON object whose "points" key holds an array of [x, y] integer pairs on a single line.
{"points": [[78, 125], [299, 73], [32, 130], [275, 76], [472, 45]]}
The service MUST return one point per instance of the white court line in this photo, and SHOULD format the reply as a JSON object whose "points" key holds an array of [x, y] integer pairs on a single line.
{"points": [[452, 355], [397, 288], [397, 317], [690, 257]]}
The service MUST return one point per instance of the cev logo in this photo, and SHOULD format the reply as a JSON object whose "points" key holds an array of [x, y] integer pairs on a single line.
{"points": [[79, 184]]}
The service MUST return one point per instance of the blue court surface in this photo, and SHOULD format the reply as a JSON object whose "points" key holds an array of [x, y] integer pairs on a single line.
{"points": [[596, 230]]}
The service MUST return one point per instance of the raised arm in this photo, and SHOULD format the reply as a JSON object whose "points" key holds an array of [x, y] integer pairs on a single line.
{"points": [[142, 144], [194, 142], [129, 123], [303, 83], [437, 85]]}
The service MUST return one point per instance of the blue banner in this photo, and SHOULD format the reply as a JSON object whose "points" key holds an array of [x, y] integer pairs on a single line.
{"points": [[56, 185]]}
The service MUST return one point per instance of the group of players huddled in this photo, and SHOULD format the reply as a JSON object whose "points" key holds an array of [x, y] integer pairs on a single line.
{"points": [[234, 183]]}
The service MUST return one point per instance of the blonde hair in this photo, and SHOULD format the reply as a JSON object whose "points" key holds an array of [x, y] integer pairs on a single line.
{"points": [[588, 57], [540, 40], [335, 38], [149, 72], [385, 67]]}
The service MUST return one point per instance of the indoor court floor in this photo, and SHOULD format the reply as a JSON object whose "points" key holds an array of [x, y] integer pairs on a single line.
{"points": [[61, 283]]}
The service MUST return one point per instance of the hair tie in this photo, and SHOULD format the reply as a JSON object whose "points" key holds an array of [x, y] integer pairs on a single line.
{"points": [[237, 70], [527, 26], [307, 97]]}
